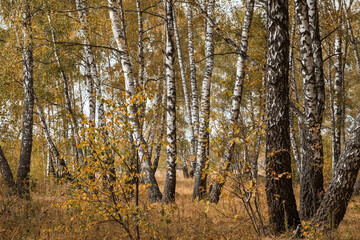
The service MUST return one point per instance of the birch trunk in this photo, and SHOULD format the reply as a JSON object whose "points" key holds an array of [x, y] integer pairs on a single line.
{"points": [[352, 39], [170, 178], [311, 185], [236, 101], [294, 144], [337, 101], [28, 105], [120, 38], [74, 127], [185, 89], [6, 171], [90, 59], [279, 192], [202, 156], [194, 90], [53, 148], [341, 186]]}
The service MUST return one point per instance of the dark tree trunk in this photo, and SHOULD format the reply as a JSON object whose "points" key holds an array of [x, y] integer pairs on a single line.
{"points": [[6, 171], [279, 191], [333, 207]]}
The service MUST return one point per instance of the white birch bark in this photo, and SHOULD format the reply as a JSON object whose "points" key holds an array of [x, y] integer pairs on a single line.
{"points": [[59, 159], [170, 178], [74, 127], [185, 89], [236, 102], [338, 81], [311, 188], [194, 90], [202, 156], [121, 42], [90, 59], [26, 46]]}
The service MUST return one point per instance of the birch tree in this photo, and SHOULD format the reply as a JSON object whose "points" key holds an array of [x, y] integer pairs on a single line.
{"points": [[236, 102], [170, 179], [279, 191], [26, 46], [311, 185], [194, 90], [204, 114], [121, 42]]}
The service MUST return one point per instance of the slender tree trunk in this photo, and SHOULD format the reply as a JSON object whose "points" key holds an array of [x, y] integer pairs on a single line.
{"points": [[90, 64], [279, 191], [311, 185], [294, 144], [352, 39], [341, 186], [236, 102], [338, 99], [170, 178], [53, 148], [202, 156], [185, 89], [194, 90], [74, 127], [121, 41], [28, 111], [6, 171]]}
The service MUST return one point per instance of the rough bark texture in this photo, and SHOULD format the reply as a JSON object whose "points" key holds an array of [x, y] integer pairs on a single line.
{"points": [[311, 185], [236, 101], [279, 191], [170, 178], [6, 171], [194, 91], [28, 111], [202, 156], [338, 194], [121, 41]]}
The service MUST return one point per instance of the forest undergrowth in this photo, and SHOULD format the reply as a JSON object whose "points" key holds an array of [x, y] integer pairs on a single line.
{"points": [[44, 217]]}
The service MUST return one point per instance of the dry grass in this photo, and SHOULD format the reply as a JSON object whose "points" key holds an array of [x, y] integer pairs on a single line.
{"points": [[21, 219]]}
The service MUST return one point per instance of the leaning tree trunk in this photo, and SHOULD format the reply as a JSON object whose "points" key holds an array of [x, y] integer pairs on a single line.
{"points": [[121, 41], [279, 191], [6, 171], [236, 101], [74, 127], [311, 185], [28, 111], [337, 197], [51, 144], [194, 91], [170, 178], [202, 156]]}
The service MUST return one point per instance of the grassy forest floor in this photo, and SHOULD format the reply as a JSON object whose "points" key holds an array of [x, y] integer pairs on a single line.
{"points": [[40, 217]]}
